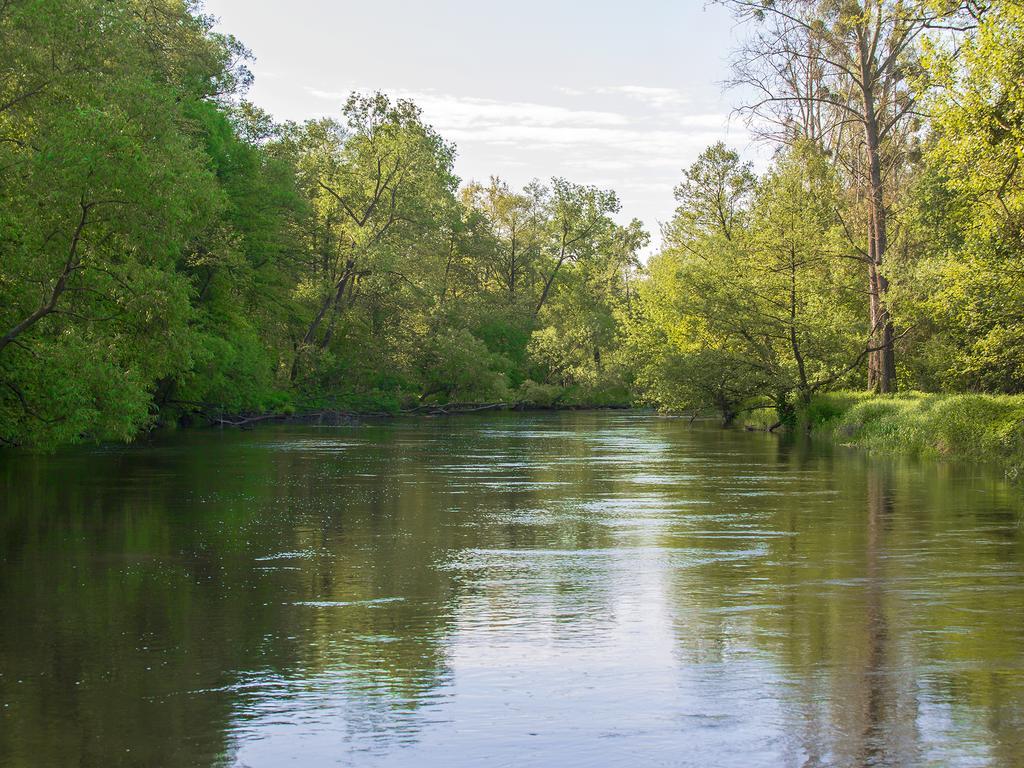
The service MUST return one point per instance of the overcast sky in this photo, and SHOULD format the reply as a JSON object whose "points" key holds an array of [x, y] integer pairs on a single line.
{"points": [[619, 94]]}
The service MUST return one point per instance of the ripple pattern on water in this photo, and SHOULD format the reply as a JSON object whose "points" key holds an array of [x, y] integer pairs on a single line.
{"points": [[570, 589]]}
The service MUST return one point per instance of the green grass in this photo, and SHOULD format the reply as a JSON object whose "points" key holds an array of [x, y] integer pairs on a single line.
{"points": [[975, 427]]}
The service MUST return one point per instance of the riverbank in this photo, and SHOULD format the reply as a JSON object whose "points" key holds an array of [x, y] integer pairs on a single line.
{"points": [[986, 428], [529, 397]]}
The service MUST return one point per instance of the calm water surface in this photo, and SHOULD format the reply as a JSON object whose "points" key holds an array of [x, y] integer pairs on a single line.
{"points": [[510, 590]]}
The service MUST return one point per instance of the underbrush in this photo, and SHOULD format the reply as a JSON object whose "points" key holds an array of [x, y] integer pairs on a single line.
{"points": [[966, 426]]}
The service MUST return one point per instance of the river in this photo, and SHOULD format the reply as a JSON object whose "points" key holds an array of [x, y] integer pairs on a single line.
{"points": [[569, 589]]}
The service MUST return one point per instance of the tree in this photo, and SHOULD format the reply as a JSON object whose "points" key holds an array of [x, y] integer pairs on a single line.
{"points": [[682, 359], [762, 303], [965, 286], [516, 221], [102, 188], [713, 197], [576, 345], [818, 67], [800, 295], [238, 268], [375, 184], [577, 219]]}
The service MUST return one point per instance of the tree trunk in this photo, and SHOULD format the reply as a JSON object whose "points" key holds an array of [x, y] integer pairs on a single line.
{"points": [[329, 334], [329, 302], [548, 282], [512, 276], [874, 371], [794, 342], [881, 361]]}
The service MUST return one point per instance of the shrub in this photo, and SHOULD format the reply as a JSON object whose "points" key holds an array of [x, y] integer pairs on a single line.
{"points": [[975, 427]]}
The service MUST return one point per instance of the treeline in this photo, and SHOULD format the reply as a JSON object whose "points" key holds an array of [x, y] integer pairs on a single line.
{"points": [[168, 252], [882, 250]]}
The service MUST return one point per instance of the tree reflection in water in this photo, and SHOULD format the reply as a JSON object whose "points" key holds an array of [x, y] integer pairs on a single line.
{"points": [[573, 588]]}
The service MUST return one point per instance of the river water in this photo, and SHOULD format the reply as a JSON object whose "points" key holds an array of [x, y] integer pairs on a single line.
{"points": [[575, 589]]}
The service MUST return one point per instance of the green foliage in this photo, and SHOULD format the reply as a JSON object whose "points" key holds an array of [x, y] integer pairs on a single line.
{"points": [[963, 291], [168, 252], [458, 366], [977, 427], [535, 395], [102, 192], [506, 334], [754, 295]]}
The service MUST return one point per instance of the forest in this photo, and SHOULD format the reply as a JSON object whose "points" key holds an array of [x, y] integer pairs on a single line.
{"points": [[172, 254]]}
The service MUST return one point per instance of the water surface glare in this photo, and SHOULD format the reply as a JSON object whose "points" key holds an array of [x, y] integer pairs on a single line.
{"points": [[577, 589]]}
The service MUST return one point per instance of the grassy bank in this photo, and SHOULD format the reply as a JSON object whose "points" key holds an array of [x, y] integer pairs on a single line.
{"points": [[986, 428]]}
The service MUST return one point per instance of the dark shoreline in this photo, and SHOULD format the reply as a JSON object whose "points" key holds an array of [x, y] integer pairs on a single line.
{"points": [[331, 417]]}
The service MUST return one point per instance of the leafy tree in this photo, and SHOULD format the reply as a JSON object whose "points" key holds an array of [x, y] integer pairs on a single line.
{"points": [[966, 289], [102, 189], [375, 183], [516, 223], [818, 70], [760, 302]]}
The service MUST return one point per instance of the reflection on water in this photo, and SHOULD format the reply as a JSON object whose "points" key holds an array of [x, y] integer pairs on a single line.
{"points": [[572, 589]]}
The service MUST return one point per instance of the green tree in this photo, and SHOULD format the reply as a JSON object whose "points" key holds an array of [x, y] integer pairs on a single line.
{"points": [[762, 302], [377, 185], [965, 290], [817, 70], [103, 186]]}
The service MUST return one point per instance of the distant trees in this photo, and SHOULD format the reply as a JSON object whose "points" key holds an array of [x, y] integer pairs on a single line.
{"points": [[413, 289], [516, 226], [168, 251]]}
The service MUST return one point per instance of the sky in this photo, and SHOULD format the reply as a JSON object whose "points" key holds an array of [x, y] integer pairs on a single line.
{"points": [[622, 95]]}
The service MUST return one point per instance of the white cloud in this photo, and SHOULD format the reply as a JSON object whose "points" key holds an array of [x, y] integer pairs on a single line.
{"points": [[632, 138], [653, 96], [449, 112], [657, 98], [609, 141], [533, 125]]}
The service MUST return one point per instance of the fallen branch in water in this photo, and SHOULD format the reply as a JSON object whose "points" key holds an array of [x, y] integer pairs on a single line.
{"points": [[243, 421], [450, 408]]}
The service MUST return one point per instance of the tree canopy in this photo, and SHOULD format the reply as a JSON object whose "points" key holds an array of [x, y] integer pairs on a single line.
{"points": [[169, 252]]}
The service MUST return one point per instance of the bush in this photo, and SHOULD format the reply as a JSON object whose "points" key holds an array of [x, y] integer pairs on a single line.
{"points": [[535, 395], [975, 427]]}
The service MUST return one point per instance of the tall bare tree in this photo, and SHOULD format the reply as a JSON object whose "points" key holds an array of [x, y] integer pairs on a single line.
{"points": [[839, 72]]}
